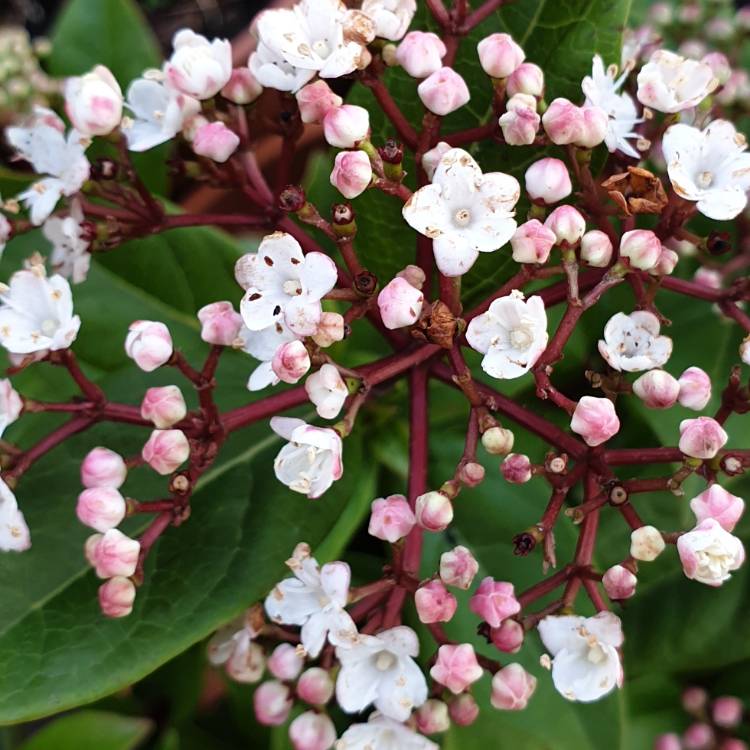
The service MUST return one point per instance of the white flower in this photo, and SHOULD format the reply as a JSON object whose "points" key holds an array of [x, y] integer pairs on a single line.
{"points": [[263, 345], [709, 553], [512, 334], [6, 230], [382, 733], [327, 390], [198, 67], [670, 83], [14, 533], [391, 17], [381, 670], [709, 166], [311, 461], [463, 211], [233, 646], [602, 90], [284, 284], [314, 599], [10, 404], [632, 342], [586, 664], [36, 313], [70, 256]]}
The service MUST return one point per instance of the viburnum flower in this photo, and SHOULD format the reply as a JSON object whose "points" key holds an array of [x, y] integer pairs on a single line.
{"points": [[709, 167], [434, 603], [709, 554], [312, 731], [382, 733], [715, 502], [632, 342], [93, 102], [103, 468], [220, 323], [646, 543], [263, 345], [311, 461], [512, 687], [391, 17], [702, 437], [381, 670], [351, 173], [399, 303], [619, 582], [512, 335], [443, 91], [315, 686], [215, 141], [272, 702], [327, 391], [36, 313], [283, 284], [695, 388], [291, 361], [14, 533], [113, 553], [198, 68], [595, 420], [70, 240], [494, 601], [463, 211], [432, 158], [586, 663], [456, 667], [166, 450], [11, 404], [458, 567], [233, 647], [148, 344], [242, 88], [314, 600], [116, 597], [391, 518], [421, 53]]}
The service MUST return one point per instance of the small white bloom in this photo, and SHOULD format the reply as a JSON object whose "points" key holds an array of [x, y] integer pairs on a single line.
{"points": [[233, 647], [512, 334], [327, 390], [463, 211], [311, 460], [632, 342], [586, 663], [14, 533], [709, 166], [263, 345], [198, 67], [391, 17], [6, 230], [10, 404], [314, 600], [381, 670], [709, 553], [70, 256], [382, 733]]}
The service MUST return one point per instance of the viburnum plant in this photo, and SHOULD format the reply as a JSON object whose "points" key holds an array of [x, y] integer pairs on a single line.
{"points": [[503, 233]]}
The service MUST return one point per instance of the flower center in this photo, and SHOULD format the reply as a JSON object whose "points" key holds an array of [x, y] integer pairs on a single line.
{"points": [[705, 179], [321, 48], [291, 287], [462, 217], [596, 653], [384, 661], [521, 338]]}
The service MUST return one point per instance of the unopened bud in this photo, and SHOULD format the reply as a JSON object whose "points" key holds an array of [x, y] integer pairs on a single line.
{"points": [[116, 597], [272, 702], [103, 468], [516, 468], [458, 567], [646, 543], [497, 441], [165, 450], [434, 603], [315, 686], [101, 508], [164, 406], [285, 663], [434, 511]]}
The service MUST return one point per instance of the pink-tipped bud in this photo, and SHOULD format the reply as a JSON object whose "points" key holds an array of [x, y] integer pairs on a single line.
{"points": [[316, 100], [166, 450], [421, 53], [432, 158], [414, 275], [114, 554], [101, 508], [595, 420], [567, 224], [434, 603], [164, 406], [532, 242], [719, 64], [93, 102], [516, 468], [594, 124], [694, 699], [669, 741], [391, 518], [456, 667], [527, 78], [619, 583], [641, 247], [702, 437], [458, 567], [508, 637], [220, 323], [434, 511], [443, 92], [291, 361], [727, 711], [715, 502], [494, 601], [497, 441], [596, 249], [512, 687], [520, 121], [471, 474], [312, 731], [657, 389], [242, 87], [708, 277], [103, 468], [330, 329], [548, 181], [695, 389], [463, 710], [352, 173], [315, 686], [285, 663], [272, 702], [346, 126], [148, 344], [646, 543], [432, 717], [215, 141], [400, 303], [499, 55], [698, 736], [563, 122], [666, 264], [116, 597]]}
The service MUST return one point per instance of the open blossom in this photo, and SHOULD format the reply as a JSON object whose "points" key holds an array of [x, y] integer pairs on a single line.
{"points": [[148, 344], [263, 345], [283, 284], [595, 420], [586, 663], [456, 667], [382, 733], [94, 102], [443, 91], [421, 53], [233, 647], [494, 601], [715, 502], [198, 68], [14, 533], [10, 404], [709, 166], [311, 461], [391, 17], [632, 342], [671, 83], [709, 554], [327, 391], [381, 670], [701, 437], [512, 335], [70, 240]]}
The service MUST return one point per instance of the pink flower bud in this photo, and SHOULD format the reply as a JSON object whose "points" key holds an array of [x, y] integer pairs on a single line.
{"points": [[695, 389], [421, 53], [93, 102], [527, 78], [316, 100], [215, 141], [641, 247], [732, 743], [512, 687], [595, 420], [532, 242], [285, 663], [499, 55], [330, 329], [715, 502], [242, 87], [346, 126], [694, 699], [458, 567], [443, 92], [220, 323], [164, 406], [594, 124], [719, 64], [548, 181], [312, 731], [434, 511], [516, 468], [114, 554], [596, 249], [498, 441], [471, 474], [666, 264], [432, 717], [563, 122], [116, 597], [668, 742], [391, 518], [456, 667], [494, 601], [352, 173], [414, 275], [165, 450], [432, 158], [567, 224], [520, 121], [149, 344], [434, 603], [727, 711], [103, 468], [698, 736], [702, 437], [327, 390], [619, 583], [315, 686], [708, 277], [101, 508], [291, 361], [400, 303], [272, 702], [657, 389], [463, 709], [646, 543], [508, 637]]}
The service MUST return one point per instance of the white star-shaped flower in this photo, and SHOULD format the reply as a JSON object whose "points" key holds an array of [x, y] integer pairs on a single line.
{"points": [[382, 733], [632, 342], [70, 256], [14, 533]]}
